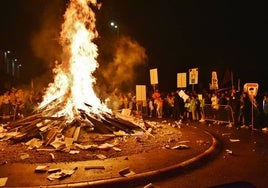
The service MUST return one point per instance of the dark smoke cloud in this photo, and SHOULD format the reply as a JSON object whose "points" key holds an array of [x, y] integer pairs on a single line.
{"points": [[45, 41], [129, 54]]}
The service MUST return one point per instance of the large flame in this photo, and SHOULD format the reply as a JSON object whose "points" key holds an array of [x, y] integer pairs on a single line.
{"points": [[73, 83]]}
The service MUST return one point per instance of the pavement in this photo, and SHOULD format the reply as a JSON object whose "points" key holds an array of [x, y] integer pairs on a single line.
{"points": [[126, 171]]}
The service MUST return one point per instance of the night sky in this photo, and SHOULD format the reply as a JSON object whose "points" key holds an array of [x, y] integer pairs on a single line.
{"points": [[177, 35]]}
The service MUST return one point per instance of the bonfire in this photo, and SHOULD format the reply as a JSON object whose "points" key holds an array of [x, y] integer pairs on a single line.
{"points": [[70, 101]]}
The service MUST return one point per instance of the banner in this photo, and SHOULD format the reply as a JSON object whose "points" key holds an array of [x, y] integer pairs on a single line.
{"points": [[140, 92], [181, 80], [183, 95], [214, 81], [153, 76], [193, 76]]}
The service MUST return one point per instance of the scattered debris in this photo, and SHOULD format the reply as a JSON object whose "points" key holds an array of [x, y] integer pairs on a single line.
{"points": [[150, 185], [234, 140], [24, 156], [116, 149], [3, 181], [46, 149], [88, 147], [229, 151], [41, 168], [74, 152], [120, 133], [60, 175], [226, 134], [100, 156], [52, 156], [180, 146], [94, 167], [183, 141], [106, 146], [34, 143], [53, 170], [126, 172]]}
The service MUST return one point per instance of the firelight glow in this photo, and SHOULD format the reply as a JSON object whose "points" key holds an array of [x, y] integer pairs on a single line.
{"points": [[72, 89]]}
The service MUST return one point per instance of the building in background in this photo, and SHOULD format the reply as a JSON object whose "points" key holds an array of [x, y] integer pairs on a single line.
{"points": [[10, 70]]}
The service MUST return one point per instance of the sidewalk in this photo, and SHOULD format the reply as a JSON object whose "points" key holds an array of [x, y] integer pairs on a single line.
{"points": [[117, 171]]}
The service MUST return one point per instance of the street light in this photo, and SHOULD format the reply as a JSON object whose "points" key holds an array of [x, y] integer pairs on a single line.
{"points": [[6, 61], [116, 27]]}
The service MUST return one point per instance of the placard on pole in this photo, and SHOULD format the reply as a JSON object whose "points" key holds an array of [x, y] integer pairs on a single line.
{"points": [[140, 96], [181, 80], [153, 77], [193, 77]]}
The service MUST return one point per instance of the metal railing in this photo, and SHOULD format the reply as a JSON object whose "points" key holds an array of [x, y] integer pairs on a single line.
{"points": [[222, 114]]}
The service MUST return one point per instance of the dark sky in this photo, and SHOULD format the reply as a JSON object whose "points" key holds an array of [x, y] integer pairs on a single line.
{"points": [[177, 35]]}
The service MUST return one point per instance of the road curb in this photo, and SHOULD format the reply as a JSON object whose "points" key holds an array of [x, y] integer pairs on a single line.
{"points": [[150, 174]]}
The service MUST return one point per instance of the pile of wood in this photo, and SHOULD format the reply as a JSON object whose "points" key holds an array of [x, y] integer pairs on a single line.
{"points": [[46, 127]]}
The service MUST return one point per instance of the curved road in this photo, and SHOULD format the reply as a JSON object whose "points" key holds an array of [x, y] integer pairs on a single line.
{"points": [[242, 162]]}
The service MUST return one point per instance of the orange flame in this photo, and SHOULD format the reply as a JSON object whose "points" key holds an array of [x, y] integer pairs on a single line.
{"points": [[73, 82]]}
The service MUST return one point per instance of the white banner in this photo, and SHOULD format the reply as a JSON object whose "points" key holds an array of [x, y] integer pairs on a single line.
{"points": [[181, 80], [140, 92], [153, 76], [183, 95]]}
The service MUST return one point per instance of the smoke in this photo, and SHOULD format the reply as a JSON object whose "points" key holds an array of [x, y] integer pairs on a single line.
{"points": [[121, 72], [45, 41]]}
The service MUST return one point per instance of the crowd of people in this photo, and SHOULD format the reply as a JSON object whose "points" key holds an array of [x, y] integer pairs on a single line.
{"points": [[188, 105], [177, 105], [17, 103]]}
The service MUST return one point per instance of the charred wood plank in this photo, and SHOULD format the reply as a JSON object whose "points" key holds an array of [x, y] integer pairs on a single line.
{"points": [[99, 126], [118, 125], [33, 133], [26, 120], [125, 122]]}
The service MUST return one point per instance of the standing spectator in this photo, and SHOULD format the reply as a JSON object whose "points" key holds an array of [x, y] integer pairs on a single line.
{"points": [[193, 107], [246, 110], [201, 104], [6, 106], [178, 106], [215, 105], [151, 107], [187, 113], [170, 104], [234, 103], [159, 107], [265, 110]]}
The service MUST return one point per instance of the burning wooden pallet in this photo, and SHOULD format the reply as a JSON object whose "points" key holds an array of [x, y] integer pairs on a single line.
{"points": [[47, 127]]}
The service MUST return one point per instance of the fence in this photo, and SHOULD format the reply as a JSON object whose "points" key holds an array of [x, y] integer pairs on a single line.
{"points": [[224, 114]]}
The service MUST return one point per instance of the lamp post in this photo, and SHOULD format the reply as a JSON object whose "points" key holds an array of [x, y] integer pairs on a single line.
{"points": [[6, 61]]}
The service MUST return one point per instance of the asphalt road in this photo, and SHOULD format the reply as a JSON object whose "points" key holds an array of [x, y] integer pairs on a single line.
{"points": [[241, 162]]}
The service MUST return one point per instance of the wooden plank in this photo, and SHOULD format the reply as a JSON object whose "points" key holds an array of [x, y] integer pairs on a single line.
{"points": [[76, 133]]}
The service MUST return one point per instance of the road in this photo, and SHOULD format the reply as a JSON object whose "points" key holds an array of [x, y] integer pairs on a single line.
{"points": [[241, 162]]}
